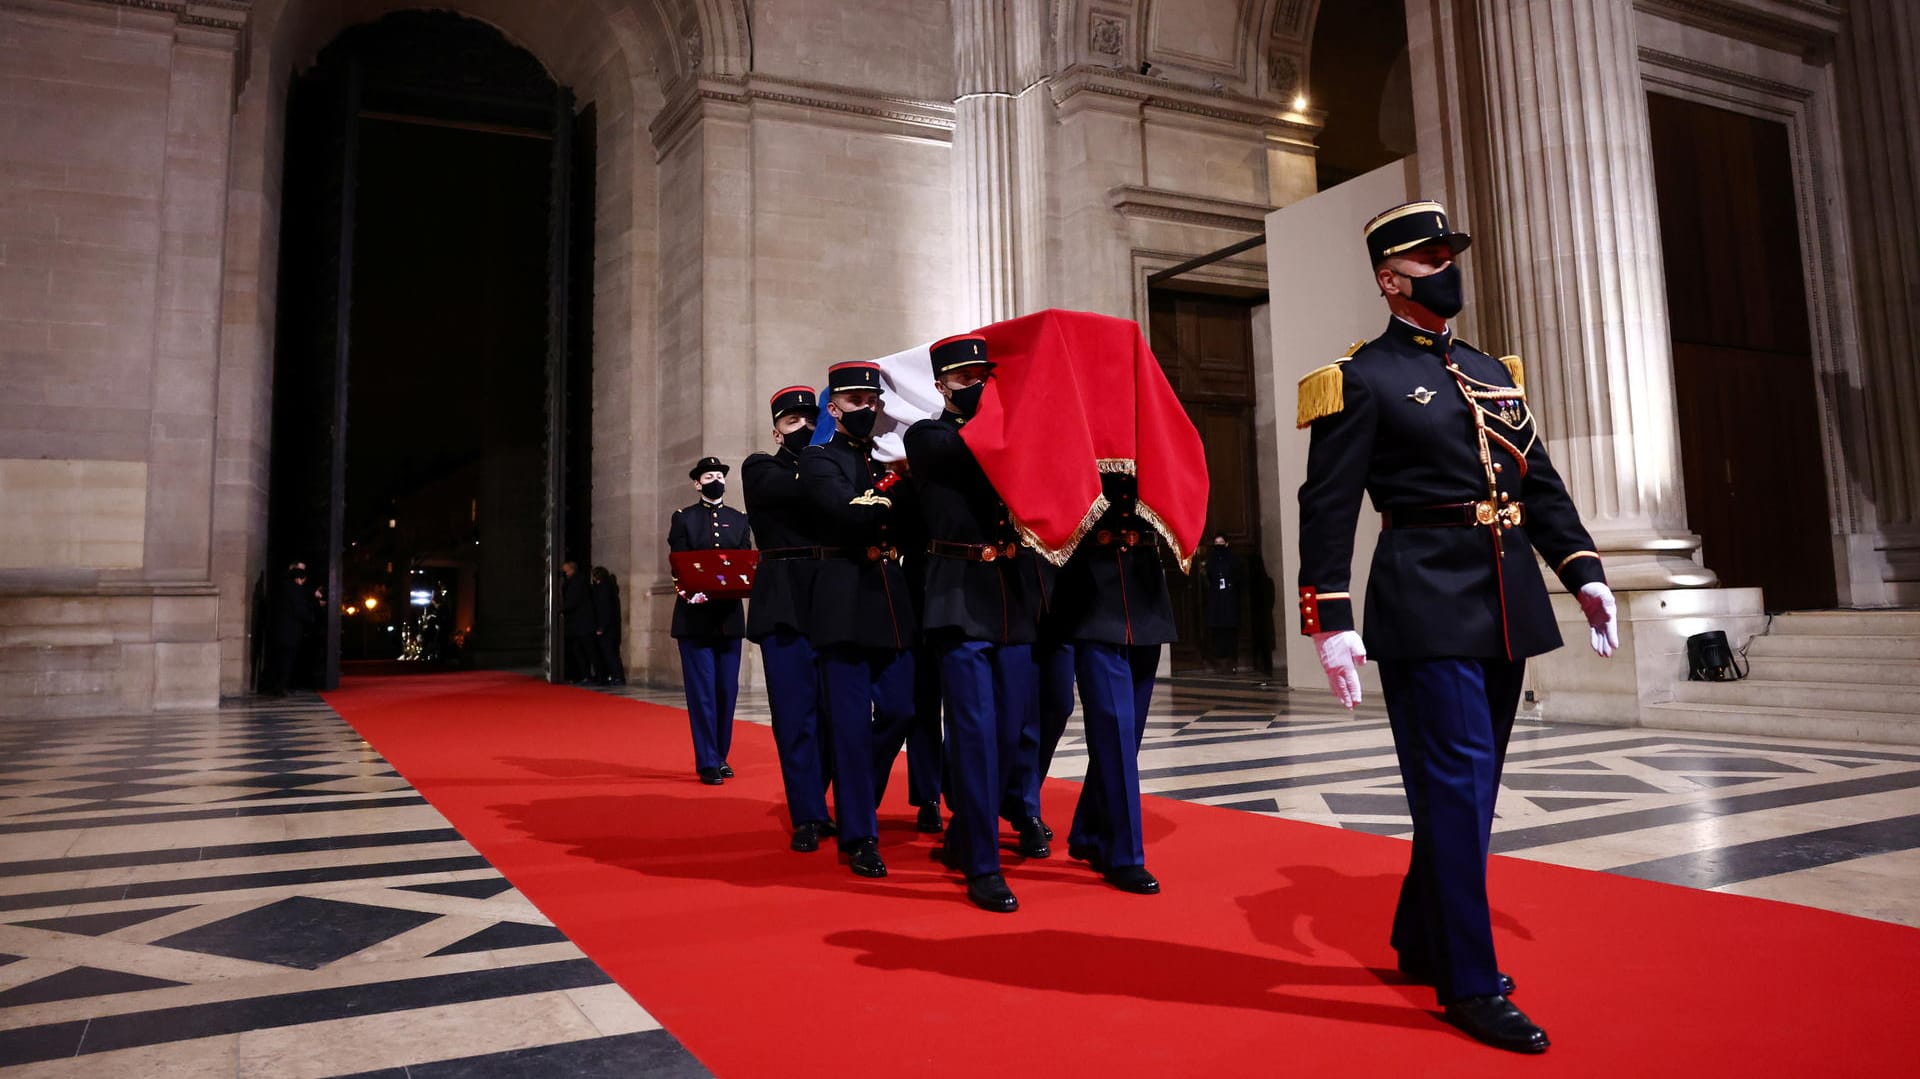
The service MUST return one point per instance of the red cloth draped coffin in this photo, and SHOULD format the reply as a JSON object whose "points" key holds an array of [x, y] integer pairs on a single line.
{"points": [[1074, 394]]}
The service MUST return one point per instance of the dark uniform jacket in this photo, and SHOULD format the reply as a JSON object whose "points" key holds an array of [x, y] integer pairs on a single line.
{"points": [[1114, 588], [1405, 431], [1223, 583], [293, 610], [702, 527], [967, 597], [576, 605], [857, 600], [782, 517], [606, 607]]}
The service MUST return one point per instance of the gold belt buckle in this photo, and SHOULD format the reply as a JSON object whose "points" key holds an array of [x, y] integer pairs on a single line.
{"points": [[1485, 513], [1511, 515], [988, 552], [1009, 550], [874, 553]]}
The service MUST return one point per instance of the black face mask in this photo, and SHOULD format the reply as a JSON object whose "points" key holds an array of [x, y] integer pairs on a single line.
{"points": [[967, 402], [713, 489], [797, 439], [858, 425], [1439, 292]]}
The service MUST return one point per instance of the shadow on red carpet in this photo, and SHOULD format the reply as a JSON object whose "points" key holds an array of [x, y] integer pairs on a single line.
{"points": [[1267, 953]]}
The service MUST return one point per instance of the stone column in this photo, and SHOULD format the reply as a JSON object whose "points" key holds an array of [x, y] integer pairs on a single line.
{"points": [[1880, 139], [997, 158], [1570, 237]]}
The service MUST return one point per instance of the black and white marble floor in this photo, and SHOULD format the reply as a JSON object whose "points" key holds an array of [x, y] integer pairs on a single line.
{"points": [[255, 892]]}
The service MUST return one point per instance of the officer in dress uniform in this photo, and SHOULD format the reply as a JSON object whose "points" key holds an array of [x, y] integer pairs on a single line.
{"points": [[862, 620], [709, 630], [783, 523], [979, 620], [1441, 437], [1110, 603]]}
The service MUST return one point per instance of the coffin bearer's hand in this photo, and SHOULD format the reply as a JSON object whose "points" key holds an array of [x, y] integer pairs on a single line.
{"points": [[1603, 625], [1341, 654]]}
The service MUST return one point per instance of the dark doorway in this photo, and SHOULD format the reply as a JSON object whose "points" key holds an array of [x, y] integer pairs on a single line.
{"points": [[1204, 341], [1742, 351], [1362, 79], [432, 361]]}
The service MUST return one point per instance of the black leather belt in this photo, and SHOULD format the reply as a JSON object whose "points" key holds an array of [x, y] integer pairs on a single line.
{"points": [[775, 553], [861, 554], [1456, 515], [973, 552]]}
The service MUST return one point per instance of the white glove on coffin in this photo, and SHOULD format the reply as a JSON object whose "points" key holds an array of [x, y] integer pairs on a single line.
{"points": [[1341, 654], [1603, 627]]}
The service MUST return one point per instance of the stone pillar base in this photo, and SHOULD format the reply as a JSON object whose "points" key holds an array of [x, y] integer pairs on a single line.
{"points": [[1572, 685], [108, 652]]}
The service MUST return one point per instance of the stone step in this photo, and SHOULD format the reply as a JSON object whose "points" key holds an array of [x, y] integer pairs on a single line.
{"points": [[1888, 623], [1846, 671], [1804, 696], [1836, 647], [1824, 725]]}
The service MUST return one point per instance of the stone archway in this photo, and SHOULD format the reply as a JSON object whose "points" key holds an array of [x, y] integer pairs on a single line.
{"points": [[624, 57]]}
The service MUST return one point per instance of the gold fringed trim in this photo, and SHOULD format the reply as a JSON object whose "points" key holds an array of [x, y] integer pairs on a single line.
{"points": [[1146, 513], [1323, 392], [1122, 465], [1515, 369], [1058, 556]]}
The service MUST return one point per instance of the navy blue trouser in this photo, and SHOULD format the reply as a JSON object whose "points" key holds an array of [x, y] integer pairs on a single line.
{"points": [[1040, 735], [926, 756], [1116, 687], [711, 670], [869, 709], [990, 695], [1451, 720], [793, 696]]}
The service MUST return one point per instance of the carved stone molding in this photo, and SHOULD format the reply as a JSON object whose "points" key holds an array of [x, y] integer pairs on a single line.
{"points": [[1742, 79], [212, 14], [1806, 27], [1107, 35], [922, 119], [1217, 105], [1154, 204]]}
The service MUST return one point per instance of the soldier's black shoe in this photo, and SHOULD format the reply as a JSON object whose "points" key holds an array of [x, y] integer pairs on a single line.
{"points": [[828, 829], [864, 858], [806, 838], [711, 777], [726, 770], [1044, 828], [929, 821], [1033, 839], [989, 891], [1132, 878], [1497, 1022]]}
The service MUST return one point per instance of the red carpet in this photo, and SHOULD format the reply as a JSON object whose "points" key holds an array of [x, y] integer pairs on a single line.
{"points": [[1267, 953]]}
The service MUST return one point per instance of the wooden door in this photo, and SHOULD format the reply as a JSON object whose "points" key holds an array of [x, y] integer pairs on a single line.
{"points": [[1205, 344], [1750, 446]]}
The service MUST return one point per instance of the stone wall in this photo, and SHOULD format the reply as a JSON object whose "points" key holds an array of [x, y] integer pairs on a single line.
{"points": [[113, 187]]}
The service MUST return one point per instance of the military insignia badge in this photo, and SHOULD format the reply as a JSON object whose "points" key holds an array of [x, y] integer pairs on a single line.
{"points": [[1421, 395], [1423, 340], [1512, 413]]}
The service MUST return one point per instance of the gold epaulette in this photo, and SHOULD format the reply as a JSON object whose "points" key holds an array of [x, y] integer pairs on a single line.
{"points": [[1515, 370], [1323, 392]]}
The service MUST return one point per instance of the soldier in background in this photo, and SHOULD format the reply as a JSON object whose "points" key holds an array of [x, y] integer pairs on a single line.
{"points": [[708, 630]]}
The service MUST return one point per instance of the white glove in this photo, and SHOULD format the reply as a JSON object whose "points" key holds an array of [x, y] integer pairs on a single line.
{"points": [[697, 597], [1342, 652], [1603, 626]]}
